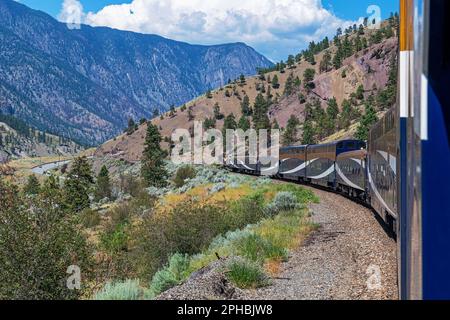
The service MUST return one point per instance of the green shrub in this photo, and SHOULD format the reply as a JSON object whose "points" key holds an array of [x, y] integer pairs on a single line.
{"points": [[162, 280], [38, 242], [258, 249], [127, 290], [184, 173], [190, 228], [115, 240], [303, 195], [171, 275], [246, 274], [283, 201], [90, 218]]}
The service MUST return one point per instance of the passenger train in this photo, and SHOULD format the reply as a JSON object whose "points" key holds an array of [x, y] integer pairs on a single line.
{"points": [[403, 170]]}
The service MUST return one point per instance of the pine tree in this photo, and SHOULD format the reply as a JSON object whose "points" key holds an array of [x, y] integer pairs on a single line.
{"points": [[78, 185], [191, 116], [369, 118], [326, 62], [153, 170], [275, 83], [131, 126], [230, 122], [242, 79], [33, 187], [217, 114], [103, 185], [291, 61], [260, 109], [289, 86], [245, 106], [308, 78], [347, 115], [337, 60], [360, 92], [290, 134], [51, 189], [308, 133], [209, 123], [244, 123], [332, 108]]}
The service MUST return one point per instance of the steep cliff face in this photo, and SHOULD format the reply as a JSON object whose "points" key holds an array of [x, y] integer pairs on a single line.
{"points": [[85, 83]]}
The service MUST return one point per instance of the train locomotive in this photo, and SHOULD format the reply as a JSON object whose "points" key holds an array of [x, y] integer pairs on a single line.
{"points": [[402, 171]]}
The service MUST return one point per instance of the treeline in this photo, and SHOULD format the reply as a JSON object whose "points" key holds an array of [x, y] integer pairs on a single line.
{"points": [[353, 39], [321, 123]]}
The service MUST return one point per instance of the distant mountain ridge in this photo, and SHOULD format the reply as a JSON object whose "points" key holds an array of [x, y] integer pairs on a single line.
{"points": [[84, 84]]}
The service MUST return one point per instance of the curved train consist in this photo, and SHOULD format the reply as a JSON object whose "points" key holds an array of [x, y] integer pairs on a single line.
{"points": [[403, 170]]}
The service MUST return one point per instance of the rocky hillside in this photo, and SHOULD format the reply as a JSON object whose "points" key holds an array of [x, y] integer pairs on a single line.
{"points": [[368, 68], [17, 140], [86, 83]]}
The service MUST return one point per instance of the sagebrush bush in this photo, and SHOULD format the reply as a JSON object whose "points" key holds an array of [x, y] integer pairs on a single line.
{"points": [[283, 201], [190, 227], [183, 174], [173, 274], [217, 187], [246, 274], [90, 218], [126, 290], [259, 249]]}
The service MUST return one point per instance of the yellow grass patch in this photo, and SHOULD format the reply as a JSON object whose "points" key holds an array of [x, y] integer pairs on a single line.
{"points": [[203, 196]]}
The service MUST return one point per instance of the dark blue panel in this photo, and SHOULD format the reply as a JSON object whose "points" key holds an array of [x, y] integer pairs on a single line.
{"points": [[436, 204]]}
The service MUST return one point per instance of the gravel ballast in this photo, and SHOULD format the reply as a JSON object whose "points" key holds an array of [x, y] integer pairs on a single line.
{"points": [[349, 257]]}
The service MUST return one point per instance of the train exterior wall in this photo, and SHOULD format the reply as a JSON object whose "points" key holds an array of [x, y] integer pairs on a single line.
{"points": [[293, 163], [382, 167], [351, 173]]}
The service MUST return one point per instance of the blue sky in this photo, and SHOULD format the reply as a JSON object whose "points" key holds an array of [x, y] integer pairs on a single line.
{"points": [[274, 28]]}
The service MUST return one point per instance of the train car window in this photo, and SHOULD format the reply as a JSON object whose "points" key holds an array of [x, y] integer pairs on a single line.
{"points": [[439, 66]]}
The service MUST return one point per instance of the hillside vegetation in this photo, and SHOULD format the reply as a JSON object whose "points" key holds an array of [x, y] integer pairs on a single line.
{"points": [[335, 85], [18, 140]]}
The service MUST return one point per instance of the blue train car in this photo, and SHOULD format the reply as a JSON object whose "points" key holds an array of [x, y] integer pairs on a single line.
{"points": [[320, 164], [249, 165], [425, 215], [320, 161], [382, 168], [351, 172], [293, 163]]}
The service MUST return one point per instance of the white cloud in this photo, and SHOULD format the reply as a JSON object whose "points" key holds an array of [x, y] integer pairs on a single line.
{"points": [[273, 27], [72, 13]]}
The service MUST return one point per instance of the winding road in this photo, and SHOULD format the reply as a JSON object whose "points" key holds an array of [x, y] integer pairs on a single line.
{"points": [[42, 169]]}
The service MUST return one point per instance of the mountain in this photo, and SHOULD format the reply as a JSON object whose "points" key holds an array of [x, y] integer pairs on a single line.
{"points": [[370, 62], [84, 84], [18, 140]]}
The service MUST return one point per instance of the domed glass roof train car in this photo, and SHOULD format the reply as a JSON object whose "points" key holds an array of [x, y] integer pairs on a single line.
{"points": [[382, 168], [320, 168], [351, 175]]}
